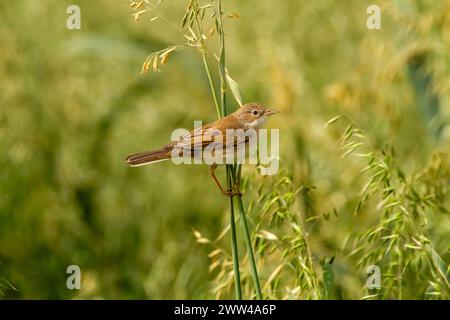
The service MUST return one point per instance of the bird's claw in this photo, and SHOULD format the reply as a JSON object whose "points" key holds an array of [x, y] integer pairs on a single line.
{"points": [[231, 193]]}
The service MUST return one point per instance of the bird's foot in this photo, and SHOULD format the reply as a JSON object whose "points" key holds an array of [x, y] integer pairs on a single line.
{"points": [[231, 193]]}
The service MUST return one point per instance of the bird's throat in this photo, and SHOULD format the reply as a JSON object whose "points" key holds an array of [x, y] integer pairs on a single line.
{"points": [[255, 124]]}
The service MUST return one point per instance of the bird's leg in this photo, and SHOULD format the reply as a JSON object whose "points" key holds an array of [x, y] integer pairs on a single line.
{"points": [[212, 171], [229, 192]]}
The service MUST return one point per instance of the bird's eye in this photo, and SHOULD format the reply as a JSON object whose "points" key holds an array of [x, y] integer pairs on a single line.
{"points": [[255, 112]]}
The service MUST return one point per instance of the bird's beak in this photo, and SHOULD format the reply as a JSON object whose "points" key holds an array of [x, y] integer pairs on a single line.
{"points": [[269, 112]]}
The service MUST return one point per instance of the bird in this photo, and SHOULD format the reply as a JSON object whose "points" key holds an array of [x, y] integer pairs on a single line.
{"points": [[250, 116]]}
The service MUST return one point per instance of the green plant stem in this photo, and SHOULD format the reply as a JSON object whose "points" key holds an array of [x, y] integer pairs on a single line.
{"points": [[223, 81], [211, 84], [234, 249], [208, 71], [230, 169], [248, 244], [316, 291]]}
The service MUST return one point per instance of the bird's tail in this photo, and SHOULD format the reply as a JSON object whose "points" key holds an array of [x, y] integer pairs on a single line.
{"points": [[147, 157]]}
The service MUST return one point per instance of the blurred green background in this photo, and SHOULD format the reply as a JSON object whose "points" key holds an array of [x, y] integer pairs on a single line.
{"points": [[74, 104]]}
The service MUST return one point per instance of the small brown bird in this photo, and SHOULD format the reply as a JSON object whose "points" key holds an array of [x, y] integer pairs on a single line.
{"points": [[249, 116]]}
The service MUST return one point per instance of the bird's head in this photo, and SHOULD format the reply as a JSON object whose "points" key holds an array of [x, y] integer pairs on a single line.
{"points": [[253, 115]]}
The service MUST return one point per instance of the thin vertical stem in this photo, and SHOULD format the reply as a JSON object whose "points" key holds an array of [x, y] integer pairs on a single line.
{"points": [[248, 244], [223, 83], [234, 249], [211, 84], [208, 71], [230, 169], [315, 285]]}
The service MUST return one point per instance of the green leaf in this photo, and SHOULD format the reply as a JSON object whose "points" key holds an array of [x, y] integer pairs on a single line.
{"points": [[439, 264], [328, 277], [184, 20], [332, 120], [236, 90]]}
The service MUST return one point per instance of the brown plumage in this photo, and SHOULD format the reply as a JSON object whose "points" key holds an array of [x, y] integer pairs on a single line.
{"points": [[147, 157], [249, 116]]}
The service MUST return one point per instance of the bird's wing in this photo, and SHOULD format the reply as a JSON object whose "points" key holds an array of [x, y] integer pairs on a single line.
{"points": [[198, 138], [204, 136]]}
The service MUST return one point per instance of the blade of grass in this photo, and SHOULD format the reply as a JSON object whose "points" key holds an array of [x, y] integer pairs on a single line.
{"points": [[206, 66], [234, 249], [248, 243], [230, 169]]}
